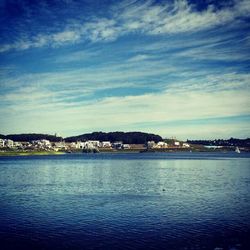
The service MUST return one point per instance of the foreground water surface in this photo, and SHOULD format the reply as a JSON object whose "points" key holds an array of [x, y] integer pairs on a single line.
{"points": [[125, 201]]}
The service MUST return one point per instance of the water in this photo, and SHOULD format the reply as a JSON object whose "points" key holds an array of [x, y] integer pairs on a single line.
{"points": [[125, 201]]}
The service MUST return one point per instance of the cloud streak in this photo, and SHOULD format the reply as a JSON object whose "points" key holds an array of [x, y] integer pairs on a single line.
{"points": [[126, 112], [135, 17]]}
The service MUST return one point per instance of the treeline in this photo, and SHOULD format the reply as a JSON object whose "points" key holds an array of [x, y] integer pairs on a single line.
{"points": [[125, 137], [31, 137], [222, 142]]}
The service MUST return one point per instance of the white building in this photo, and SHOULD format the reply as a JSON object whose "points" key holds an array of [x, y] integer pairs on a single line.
{"points": [[2, 143], [17, 144], [73, 145], [46, 143], [91, 144], [60, 145], [9, 143], [94, 143], [41, 144], [126, 146], [80, 145], [185, 145], [177, 143], [117, 145], [87, 144], [161, 144], [150, 144], [106, 144]]}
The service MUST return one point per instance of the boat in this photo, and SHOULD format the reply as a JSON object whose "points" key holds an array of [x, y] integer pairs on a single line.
{"points": [[237, 150]]}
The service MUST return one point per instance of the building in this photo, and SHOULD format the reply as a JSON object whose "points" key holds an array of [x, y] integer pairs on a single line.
{"points": [[2, 143], [125, 146], [185, 145], [161, 144], [60, 145], [177, 143], [150, 144], [18, 144], [80, 145], [46, 143], [41, 144], [94, 143], [117, 145], [106, 144], [9, 143]]}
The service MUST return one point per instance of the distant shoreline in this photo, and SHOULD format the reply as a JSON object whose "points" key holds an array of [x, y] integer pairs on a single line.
{"points": [[29, 153], [169, 150]]}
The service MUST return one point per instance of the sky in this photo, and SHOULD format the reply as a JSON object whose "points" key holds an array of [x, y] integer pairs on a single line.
{"points": [[175, 68]]}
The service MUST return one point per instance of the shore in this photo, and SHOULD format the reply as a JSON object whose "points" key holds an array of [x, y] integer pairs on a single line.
{"points": [[103, 150], [27, 153]]}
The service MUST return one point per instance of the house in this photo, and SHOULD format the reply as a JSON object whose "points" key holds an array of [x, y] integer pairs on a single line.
{"points": [[177, 143], [41, 144], [9, 143], [17, 144], [80, 145], [60, 145], [125, 146], [87, 144], [150, 144], [161, 144], [73, 145], [106, 144], [117, 145], [2, 143], [94, 143], [185, 145], [45, 143]]}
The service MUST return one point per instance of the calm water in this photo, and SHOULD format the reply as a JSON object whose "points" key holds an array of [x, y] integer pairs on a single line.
{"points": [[125, 201]]}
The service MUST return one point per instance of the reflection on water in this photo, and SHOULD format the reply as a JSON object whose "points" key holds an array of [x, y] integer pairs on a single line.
{"points": [[125, 201]]}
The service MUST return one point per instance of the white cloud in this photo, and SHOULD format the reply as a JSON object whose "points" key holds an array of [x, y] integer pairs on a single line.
{"points": [[145, 18], [127, 113], [76, 56], [100, 29], [66, 36], [206, 131], [124, 112], [138, 58]]}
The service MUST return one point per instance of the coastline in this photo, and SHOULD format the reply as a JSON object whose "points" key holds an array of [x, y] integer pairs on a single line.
{"points": [[29, 153], [130, 151]]}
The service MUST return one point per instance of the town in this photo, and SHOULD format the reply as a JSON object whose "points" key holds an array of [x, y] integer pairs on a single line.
{"points": [[95, 142], [87, 146]]}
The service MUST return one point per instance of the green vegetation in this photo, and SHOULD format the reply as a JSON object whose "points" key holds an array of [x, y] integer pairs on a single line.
{"points": [[26, 153], [31, 137], [125, 137], [222, 142]]}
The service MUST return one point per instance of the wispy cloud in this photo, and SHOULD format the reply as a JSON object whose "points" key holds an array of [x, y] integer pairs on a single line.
{"points": [[138, 58], [65, 36], [129, 17], [126, 112]]}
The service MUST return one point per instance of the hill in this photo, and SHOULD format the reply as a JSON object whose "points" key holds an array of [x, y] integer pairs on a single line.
{"points": [[125, 137], [223, 142], [31, 137]]}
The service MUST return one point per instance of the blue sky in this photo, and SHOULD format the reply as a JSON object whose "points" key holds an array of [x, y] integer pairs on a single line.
{"points": [[176, 68]]}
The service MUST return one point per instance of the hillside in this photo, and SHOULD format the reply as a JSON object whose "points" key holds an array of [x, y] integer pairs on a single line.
{"points": [[223, 142], [31, 137], [125, 137]]}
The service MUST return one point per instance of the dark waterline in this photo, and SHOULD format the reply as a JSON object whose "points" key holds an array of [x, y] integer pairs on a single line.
{"points": [[125, 201]]}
